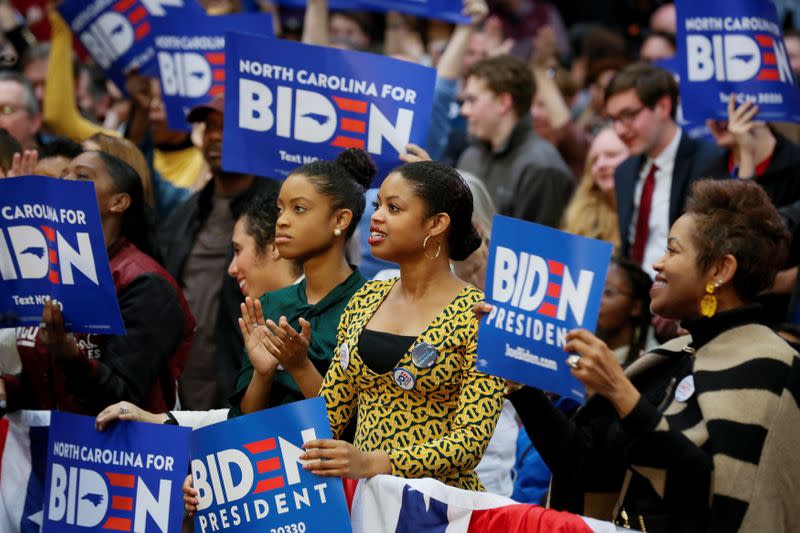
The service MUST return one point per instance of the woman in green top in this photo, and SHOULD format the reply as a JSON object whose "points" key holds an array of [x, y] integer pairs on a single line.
{"points": [[290, 334]]}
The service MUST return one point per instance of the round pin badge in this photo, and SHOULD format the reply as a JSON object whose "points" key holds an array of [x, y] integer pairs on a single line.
{"points": [[685, 389], [404, 378], [424, 355], [344, 355]]}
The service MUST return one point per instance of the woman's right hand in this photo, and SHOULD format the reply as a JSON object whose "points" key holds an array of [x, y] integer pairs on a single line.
{"points": [[126, 411], [190, 493], [254, 331], [481, 309]]}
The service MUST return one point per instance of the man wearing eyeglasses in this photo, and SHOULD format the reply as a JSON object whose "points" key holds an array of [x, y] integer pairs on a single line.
{"points": [[651, 185], [19, 110]]}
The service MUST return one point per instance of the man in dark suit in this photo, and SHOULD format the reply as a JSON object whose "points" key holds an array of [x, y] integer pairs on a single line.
{"points": [[652, 184]]}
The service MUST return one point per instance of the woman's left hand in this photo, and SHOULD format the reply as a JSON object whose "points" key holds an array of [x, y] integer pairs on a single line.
{"points": [[598, 368], [337, 458], [288, 346], [51, 332]]}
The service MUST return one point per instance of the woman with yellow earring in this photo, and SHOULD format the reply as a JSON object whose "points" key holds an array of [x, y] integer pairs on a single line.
{"points": [[702, 433]]}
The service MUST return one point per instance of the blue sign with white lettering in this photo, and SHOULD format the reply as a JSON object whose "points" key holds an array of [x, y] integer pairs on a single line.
{"points": [[287, 104], [694, 129], [191, 58], [118, 33], [250, 478], [52, 245], [734, 46], [127, 478], [541, 283]]}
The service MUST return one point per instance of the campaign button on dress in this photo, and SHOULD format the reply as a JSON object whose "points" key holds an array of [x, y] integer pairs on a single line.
{"points": [[424, 355], [404, 378], [344, 356], [685, 389]]}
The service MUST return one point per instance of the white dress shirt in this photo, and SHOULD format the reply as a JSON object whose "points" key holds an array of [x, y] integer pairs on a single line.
{"points": [[659, 208]]}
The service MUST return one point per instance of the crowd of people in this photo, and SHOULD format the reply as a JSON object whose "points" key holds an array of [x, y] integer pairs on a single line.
{"points": [[240, 292]]}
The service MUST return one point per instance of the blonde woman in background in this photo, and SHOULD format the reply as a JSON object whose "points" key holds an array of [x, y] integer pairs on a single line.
{"points": [[592, 212]]}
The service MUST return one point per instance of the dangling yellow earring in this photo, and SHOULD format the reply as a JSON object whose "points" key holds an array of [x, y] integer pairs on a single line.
{"points": [[708, 305]]}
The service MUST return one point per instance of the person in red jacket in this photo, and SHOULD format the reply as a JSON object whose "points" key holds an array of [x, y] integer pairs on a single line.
{"points": [[83, 373]]}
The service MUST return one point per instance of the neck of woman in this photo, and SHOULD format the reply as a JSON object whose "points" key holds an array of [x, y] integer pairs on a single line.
{"points": [[324, 272]]}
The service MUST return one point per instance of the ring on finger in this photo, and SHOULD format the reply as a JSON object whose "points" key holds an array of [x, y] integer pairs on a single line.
{"points": [[123, 409], [574, 361]]}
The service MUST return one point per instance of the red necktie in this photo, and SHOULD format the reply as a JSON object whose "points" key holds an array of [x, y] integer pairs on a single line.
{"points": [[643, 220]]}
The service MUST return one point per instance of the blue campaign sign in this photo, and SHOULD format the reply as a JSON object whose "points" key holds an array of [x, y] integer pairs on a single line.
{"points": [[191, 58], [51, 244], [288, 103], [542, 283], [448, 10], [694, 129], [337, 5], [127, 478], [249, 477], [734, 46], [118, 33]]}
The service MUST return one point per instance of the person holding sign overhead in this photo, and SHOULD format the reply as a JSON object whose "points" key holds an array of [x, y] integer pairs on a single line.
{"points": [[84, 373], [700, 434], [405, 357]]}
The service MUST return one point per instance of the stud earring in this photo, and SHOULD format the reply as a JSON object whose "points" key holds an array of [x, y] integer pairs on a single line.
{"points": [[708, 305], [337, 232]]}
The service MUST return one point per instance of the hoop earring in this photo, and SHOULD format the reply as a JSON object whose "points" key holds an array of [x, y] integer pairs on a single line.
{"points": [[708, 305], [425, 246]]}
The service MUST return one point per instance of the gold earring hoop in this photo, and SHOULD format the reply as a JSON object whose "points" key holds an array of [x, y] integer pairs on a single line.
{"points": [[337, 232], [425, 248], [708, 304]]}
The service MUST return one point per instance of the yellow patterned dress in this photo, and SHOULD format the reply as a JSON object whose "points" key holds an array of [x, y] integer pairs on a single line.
{"points": [[441, 427]]}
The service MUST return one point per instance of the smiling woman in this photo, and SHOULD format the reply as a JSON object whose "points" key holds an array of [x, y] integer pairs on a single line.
{"points": [[699, 434], [83, 373]]}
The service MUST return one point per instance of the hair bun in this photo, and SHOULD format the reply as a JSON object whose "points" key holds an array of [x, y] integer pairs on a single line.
{"points": [[465, 243], [359, 165]]}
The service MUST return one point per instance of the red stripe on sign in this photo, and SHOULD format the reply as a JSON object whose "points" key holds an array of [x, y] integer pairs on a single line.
{"points": [[49, 233], [3, 437], [347, 142], [117, 524], [356, 126], [123, 5], [53, 277], [547, 310], [122, 503], [768, 75], [769, 59], [137, 14], [216, 58], [347, 104], [555, 267], [218, 74], [142, 30], [553, 290], [121, 480], [268, 484], [764, 40], [215, 90], [53, 257], [260, 446], [268, 465]]}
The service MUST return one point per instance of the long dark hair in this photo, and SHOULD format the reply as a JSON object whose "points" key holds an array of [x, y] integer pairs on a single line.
{"points": [[640, 283], [138, 225]]}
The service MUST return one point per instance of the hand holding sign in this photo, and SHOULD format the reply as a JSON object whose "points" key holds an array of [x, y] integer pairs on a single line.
{"points": [[744, 130], [337, 458], [60, 344], [22, 164], [598, 368]]}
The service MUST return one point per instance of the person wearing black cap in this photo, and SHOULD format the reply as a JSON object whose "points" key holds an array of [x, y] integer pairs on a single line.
{"points": [[195, 242]]}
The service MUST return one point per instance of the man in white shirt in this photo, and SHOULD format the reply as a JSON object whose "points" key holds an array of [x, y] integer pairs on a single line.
{"points": [[652, 184]]}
